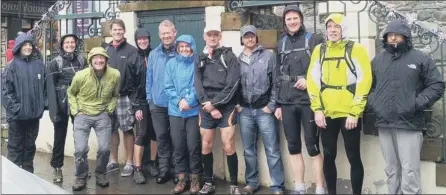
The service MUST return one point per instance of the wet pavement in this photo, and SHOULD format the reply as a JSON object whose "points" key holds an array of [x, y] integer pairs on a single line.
{"points": [[118, 184]]}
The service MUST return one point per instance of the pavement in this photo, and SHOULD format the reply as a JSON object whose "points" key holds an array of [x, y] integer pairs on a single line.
{"points": [[118, 184]]}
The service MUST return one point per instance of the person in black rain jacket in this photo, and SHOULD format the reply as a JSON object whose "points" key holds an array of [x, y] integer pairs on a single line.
{"points": [[60, 72], [23, 97], [406, 81]]}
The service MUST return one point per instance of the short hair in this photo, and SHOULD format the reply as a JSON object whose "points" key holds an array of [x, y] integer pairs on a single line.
{"points": [[167, 23], [118, 22]]}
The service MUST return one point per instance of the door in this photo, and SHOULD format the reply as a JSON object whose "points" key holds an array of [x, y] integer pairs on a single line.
{"points": [[187, 21]]}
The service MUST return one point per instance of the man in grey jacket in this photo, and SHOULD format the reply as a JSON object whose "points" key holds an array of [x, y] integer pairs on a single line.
{"points": [[405, 82], [257, 106]]}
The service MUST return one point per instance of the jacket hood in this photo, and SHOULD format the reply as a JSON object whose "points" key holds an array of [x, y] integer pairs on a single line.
{"points": [[296, 9], [20, 41], [191, 41], [97, 51], [398, 26], [340, 20], [142, 32], [76, 38], [11, 44]]}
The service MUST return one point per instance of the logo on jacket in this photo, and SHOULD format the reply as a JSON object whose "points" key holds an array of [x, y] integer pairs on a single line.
{"points": [[38, 76], [413, 66], [122, 57]]}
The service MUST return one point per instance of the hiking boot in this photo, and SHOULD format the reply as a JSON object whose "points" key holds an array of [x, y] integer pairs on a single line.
{"points": [[127, 170], [181, 185], [57, 175], [79, 184], [208, 188], [112, 167], [233, 189], [153, 169], [101, 180], [248, 190], [138, 177], [195, 184]]}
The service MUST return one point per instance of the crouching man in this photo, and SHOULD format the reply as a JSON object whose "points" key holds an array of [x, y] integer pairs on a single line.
{"points": [[93, 95]]}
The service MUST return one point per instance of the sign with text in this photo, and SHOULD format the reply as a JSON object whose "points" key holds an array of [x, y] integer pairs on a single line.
{"points": [[82, 24], [24, 7]]}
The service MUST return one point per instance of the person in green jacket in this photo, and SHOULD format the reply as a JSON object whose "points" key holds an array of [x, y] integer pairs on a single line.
{"points": [[92, 97]]}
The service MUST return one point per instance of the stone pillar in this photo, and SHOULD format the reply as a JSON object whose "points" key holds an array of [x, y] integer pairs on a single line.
{"points": [[130, 21]]}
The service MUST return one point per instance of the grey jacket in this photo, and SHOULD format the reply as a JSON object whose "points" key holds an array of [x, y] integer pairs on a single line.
{"points": [[257, 76]]}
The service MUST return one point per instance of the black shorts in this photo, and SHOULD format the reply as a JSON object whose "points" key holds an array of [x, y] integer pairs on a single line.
{"points": [[292, 117], [144, 128], [228, 119]]}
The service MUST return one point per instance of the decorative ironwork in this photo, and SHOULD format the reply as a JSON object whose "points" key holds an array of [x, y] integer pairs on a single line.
{"points": [[93, 29], [36, 31], [267, 22], [234, 6], [113, 11]]}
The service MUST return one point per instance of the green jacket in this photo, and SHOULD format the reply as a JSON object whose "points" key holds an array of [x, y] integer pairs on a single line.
{"points": [[91, 96]]}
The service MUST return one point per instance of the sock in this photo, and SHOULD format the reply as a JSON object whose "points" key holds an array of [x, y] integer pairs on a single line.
{"points": [[233, 167], [112, 161], [138, 167], [320, 190], [300, 186], [208, 166]]}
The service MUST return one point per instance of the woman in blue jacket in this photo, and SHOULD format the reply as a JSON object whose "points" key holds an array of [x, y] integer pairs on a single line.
{"points": [[183, 114]]}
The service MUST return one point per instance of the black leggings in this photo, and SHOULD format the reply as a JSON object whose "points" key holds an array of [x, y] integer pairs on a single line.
{"points": [[329, 137]]}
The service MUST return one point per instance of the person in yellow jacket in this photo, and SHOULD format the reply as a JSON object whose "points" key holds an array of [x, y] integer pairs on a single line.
{"points": [[92, 97], [339, 79]]}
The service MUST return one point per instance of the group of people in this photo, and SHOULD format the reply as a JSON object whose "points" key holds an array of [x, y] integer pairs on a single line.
{"points": [[176, 95]]}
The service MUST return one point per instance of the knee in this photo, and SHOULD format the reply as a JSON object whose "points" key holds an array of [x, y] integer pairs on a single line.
{"points": [[294, 148], [228, 148], [313, 150], [81, 150], [207, 144]]}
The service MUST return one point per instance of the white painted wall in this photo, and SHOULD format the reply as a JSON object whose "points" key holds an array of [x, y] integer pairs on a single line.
{"points": [[374, 178]]}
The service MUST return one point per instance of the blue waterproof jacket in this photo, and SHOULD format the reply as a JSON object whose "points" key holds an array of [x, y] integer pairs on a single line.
{"points": [[155, 75], [179, 81]]}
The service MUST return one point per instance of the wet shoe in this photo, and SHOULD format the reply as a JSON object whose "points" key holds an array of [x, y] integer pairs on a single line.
{"points": [[233, 189], [163, 178], [153, 169], [298, 192], [79, 184], [127, 170], [195, 184], [208, 188], [138, 177], [180, 187], [101, 180], [248, 190], [112, 167], [57, 175]]}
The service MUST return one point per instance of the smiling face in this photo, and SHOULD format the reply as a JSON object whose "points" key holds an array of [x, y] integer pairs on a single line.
{"points": [[167, 35], [334, 31], [249, 40], [184, 49], [117, 32], [143, 42], [212, 38], [98, 62], [293, 21], [394, 38], [69, 44], [26, 49]]}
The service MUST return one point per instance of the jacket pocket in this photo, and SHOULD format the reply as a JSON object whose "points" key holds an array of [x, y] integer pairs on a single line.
{"points": [[406, 105]]}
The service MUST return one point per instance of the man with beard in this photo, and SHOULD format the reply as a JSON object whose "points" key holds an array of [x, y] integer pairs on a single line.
{"points": [[60, 72], [405, 82]]}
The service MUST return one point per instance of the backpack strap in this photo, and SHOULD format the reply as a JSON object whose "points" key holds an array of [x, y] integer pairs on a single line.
{"points": [[348, 57], [307, 43], [59, 61], [222, 59], [81, 60], [322, 50]]}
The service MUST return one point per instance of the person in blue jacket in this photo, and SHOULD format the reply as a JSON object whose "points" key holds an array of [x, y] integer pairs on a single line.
{"points": [[183, 109]]}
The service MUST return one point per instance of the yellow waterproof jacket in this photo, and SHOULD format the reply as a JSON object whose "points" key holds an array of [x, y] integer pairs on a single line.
{"points": [[336, 103], [91, 96]]}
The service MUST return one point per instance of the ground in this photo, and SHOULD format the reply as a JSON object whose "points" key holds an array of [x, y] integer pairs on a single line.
{"points": [[118, 184]]}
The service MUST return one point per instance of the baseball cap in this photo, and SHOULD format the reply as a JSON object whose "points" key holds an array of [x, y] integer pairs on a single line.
{"points": [[248, 29], [212, 28]]}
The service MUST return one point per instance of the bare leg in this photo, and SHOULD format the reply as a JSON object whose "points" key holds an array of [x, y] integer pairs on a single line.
{"points": [[115, 141]]}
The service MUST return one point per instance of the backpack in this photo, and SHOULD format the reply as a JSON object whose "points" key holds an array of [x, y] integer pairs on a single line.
{"points": [[283, 53], [348, 60], [347, 56], [59, 61]]}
